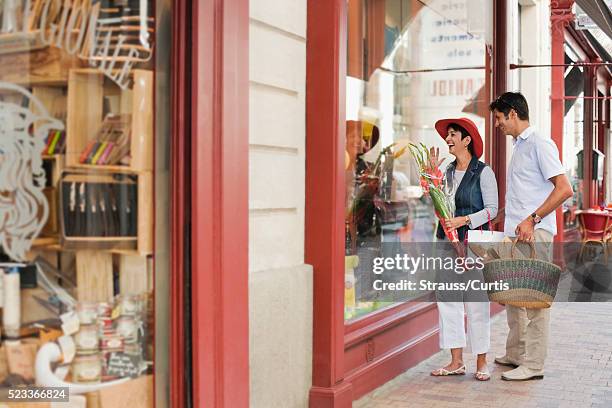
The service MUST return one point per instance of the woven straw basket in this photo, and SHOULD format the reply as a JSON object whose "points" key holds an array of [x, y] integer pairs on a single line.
{"points": [[532, 282]]}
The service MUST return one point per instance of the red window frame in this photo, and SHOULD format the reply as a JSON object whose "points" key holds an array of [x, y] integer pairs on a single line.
{"points": [[210, 80]]}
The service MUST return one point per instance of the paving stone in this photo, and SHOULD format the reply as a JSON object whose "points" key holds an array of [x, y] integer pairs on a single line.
{"points": [[578, 370]]}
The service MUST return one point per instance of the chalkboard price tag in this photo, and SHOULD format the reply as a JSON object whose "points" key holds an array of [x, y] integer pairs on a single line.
{"points": [[123, 365]]}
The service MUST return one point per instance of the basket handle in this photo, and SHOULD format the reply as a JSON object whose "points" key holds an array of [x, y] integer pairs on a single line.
{"points": [[531, 245], [488, 220]]}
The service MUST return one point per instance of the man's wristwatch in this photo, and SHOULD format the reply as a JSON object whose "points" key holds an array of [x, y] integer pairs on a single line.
{"points": [[536, 218]]}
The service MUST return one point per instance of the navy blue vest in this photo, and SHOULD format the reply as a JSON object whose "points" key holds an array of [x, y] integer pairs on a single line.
{"points": [[468, 196]]}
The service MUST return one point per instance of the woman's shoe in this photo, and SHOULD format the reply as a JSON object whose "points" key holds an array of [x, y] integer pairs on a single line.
{"points": [[483, 375], [443, 372]]}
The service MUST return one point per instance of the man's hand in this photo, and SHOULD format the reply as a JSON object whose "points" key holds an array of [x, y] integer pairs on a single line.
{"points": [[524, 231]]}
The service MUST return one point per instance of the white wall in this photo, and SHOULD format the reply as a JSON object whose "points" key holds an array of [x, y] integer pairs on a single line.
{"points": [[280, 284]]}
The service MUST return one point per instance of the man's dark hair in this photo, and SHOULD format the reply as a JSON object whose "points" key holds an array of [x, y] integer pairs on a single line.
{"points": [[464, 134], [511, 100]]}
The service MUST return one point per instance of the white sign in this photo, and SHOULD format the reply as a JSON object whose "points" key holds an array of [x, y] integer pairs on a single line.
{"points": [[584, 21], [23, 206], [93, 39]]}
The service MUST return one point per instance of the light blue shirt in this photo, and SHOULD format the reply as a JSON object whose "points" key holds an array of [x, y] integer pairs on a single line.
{"points": [[534, 161]]}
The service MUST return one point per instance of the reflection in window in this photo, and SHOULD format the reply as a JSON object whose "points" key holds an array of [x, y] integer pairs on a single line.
{"points": [[573, 137], [409, 64]]}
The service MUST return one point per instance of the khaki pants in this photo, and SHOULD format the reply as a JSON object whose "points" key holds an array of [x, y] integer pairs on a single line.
{"points": [[527, 341]]}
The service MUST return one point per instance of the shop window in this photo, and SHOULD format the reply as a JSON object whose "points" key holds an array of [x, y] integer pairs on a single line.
{"points": [[409, 64], [77, 175]]}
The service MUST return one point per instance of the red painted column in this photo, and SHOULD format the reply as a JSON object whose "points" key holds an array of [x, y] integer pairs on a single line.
{"points": [[355, 40], [500, 83], [589, 184], [325, 190], [178, 204], [375, 34], [606, 134], [219, 189], [601, 141], [560, 17], [489, 136]]}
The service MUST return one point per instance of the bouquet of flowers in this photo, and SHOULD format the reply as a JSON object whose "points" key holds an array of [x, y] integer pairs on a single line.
{"points": [[434, 184]]}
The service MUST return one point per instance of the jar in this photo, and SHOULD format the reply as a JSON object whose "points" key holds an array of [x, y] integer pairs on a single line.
{"points": [[105, 325], [129, 304], [87, 369], [87, 312], [128, 328], [86, 339], [104, 309], [111, 342]]}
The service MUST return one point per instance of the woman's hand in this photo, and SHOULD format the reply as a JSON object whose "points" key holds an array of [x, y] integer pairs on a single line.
{"points": [[454, 223], [434, 154]]}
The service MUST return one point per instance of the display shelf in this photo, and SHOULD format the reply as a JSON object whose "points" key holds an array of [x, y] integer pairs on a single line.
{"points": [[48, 66], [142, 240], [53, 98], [86, 93], [20, 42], [109, 168], [58, 166], [94, 271], [90, 268], [102, 239], [84, 112], [51, 228], [53, 244], [46, 242]]}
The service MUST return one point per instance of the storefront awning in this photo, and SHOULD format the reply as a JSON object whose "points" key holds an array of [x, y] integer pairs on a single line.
{"points": [[601, 43], [599, 12]]}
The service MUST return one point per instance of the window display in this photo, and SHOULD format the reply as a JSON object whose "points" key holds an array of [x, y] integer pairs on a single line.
{"points": [[77, 82], [409, 64]]}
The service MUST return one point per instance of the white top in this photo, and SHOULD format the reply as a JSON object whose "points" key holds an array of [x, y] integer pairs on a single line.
{"points": [[535, 160], [488, 187]]}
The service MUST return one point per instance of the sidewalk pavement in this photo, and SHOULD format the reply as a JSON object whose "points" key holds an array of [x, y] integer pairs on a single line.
{"points": [[578, 370]]}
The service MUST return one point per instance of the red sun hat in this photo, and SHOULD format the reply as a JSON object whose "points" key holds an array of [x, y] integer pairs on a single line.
{"points": [[467, 124]]}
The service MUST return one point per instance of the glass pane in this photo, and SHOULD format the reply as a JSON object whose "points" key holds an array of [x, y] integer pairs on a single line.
{"points": [[409, 64], [573, 137], [77, 170]]}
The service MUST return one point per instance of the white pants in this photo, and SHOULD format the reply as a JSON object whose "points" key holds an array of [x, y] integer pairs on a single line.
{"points": [[452, 327]]}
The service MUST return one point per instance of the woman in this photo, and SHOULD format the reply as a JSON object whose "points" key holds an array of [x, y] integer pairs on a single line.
{"points": [[475, 193]]}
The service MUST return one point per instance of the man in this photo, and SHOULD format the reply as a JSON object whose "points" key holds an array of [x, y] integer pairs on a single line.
{"points": [[536, 187]]}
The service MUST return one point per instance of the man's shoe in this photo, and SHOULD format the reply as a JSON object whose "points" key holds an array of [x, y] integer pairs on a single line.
{"points": [[506, 361], [522, 373]]}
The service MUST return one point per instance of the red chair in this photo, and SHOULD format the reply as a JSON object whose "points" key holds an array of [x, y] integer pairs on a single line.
{"points": [[595, 227]]}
